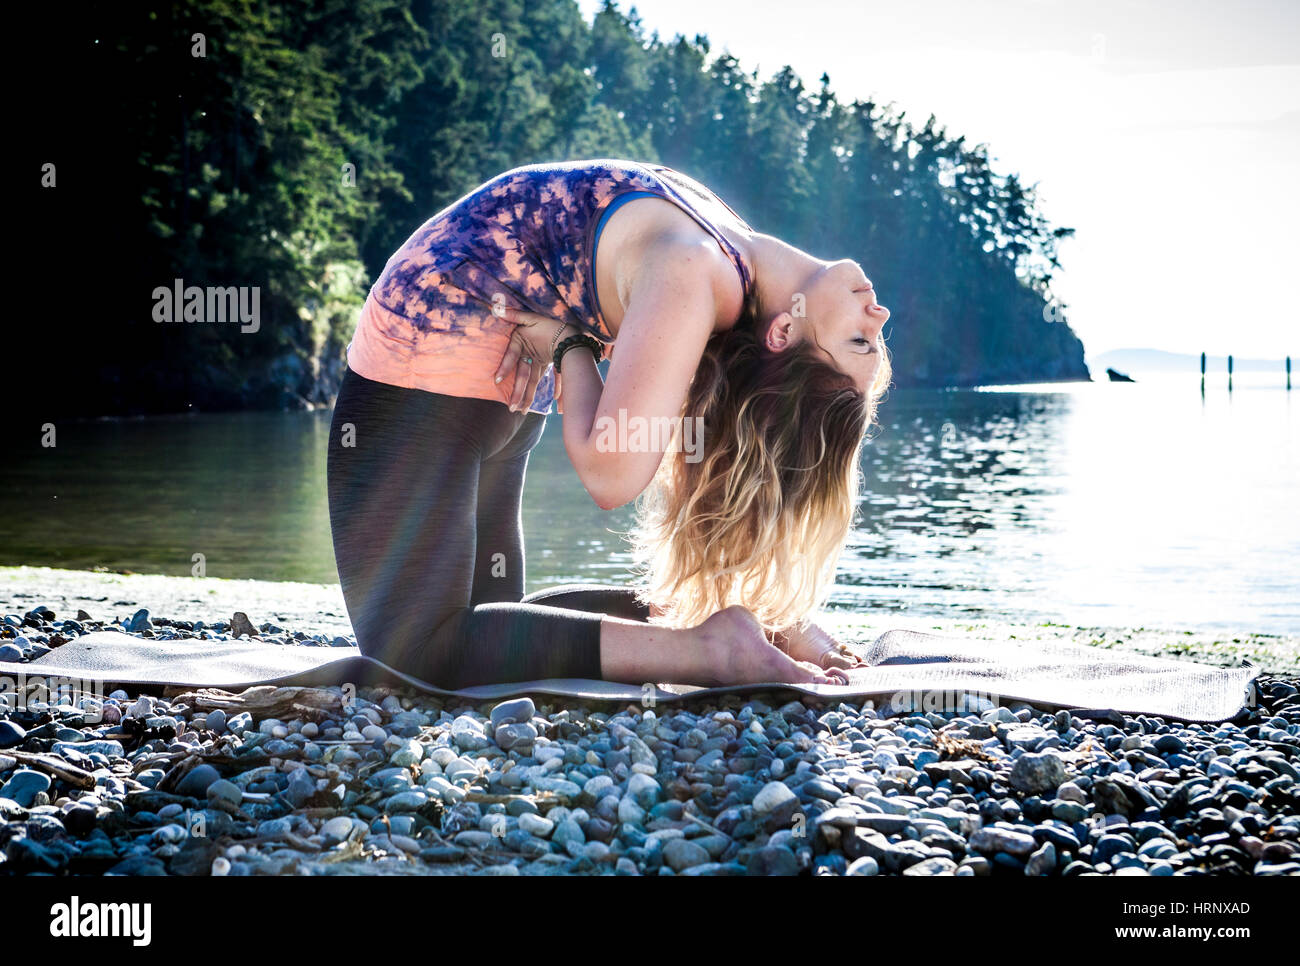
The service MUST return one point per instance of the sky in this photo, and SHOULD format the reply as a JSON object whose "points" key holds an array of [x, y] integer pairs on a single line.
{"points": [[1166, 132]]}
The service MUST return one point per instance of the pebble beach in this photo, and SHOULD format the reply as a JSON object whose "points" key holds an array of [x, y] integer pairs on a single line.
{"points": [[325, 781]]}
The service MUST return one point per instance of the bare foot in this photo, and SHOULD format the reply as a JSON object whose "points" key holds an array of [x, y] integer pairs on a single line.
{"points": [[737, 652], [813, 645]]}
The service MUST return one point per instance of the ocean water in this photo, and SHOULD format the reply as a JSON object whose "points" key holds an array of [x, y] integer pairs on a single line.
{"points": [[1086, 503], [1109, 504]]}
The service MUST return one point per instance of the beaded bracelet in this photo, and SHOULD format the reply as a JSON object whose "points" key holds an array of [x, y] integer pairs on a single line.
{"points": [[572, 342], [558, 332]]}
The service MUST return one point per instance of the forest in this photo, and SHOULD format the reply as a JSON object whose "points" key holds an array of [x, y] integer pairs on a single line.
{"points": [[290, 147]]}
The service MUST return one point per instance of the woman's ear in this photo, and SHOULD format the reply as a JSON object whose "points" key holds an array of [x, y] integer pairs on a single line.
{"points": [[780, 333]]}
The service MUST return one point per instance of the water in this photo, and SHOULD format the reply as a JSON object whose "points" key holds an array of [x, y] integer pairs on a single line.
{"points": [[1095, 504], [1091, 504]]}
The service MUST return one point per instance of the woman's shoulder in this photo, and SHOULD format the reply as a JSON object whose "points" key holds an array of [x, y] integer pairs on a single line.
{"points": [[688, 258]]}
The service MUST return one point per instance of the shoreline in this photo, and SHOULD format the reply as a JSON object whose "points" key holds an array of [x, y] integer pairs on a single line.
{"points": [[319, 608], [382, 781]]}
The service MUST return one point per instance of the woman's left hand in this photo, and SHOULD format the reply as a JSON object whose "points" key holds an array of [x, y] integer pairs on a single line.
{"points": [[527, 354]]}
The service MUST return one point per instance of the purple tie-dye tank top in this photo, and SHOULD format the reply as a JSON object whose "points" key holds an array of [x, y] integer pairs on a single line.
{"points": [[526, 239]]}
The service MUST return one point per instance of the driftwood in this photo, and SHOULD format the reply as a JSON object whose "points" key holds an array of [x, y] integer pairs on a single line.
{"points": [[55, 765], [241, 625], [537, 798], [266, 701], [172, 778], [350, 849]]}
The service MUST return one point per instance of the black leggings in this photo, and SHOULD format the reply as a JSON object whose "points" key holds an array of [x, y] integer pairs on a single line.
{"points": [[425, 495]]}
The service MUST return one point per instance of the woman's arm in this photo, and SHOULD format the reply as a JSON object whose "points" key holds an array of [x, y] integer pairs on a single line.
{"points": [[616, 434]]}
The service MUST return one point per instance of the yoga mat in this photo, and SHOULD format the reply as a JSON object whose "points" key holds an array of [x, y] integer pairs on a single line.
{"points": [[930, 671]]}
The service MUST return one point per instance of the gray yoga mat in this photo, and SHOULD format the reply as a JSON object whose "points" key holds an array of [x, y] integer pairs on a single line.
{"points": [[907, 669]]}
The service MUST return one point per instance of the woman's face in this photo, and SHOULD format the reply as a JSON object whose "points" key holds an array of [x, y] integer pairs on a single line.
{"points": [[838, 311]]}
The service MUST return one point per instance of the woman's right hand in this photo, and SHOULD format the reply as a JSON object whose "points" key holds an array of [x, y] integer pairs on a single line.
{"points": [[531, 339]]}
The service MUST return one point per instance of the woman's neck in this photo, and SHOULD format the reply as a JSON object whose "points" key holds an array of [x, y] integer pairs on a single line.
{"points": [[780, 270]]}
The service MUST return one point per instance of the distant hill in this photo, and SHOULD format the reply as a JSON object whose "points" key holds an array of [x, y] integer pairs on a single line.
{"points": [[1156, 361], [288, 164]]}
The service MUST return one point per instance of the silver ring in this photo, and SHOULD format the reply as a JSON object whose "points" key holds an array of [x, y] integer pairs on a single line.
{"points": [[528, 359]]}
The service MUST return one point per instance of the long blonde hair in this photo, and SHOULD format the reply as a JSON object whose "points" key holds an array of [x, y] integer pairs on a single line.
{"points": [[760, 518]]}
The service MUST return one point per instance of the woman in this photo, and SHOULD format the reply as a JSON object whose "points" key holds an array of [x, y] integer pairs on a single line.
{"points": [[775, 355]]}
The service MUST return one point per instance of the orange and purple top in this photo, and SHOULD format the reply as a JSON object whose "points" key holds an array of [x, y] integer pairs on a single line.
{"points": [[526, 239]]}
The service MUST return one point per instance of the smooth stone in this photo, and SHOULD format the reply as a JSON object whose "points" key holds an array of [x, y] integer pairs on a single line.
{"points": [[1108, 794], [773, 860], [1043, 861], [1111, 845], [641, 756], [843, 818], [11, 734], [1070, 812], [772, 796], [24, 785], [301, 788], [411, 801], [196, 781], [225, 792], [866, 865], [468, 735], [275, 828], [337, 829], [682, 854], [460, 769], [139, 621], [515, 736], [1036, 774], [822, 789], [949, 816], [106, 747], [568, 831], [1070, 792], [1024, 737], [1158, 849], [932, 866], [410, 752], [516, 710], [977, 864], [1145, 831], [830, 864], [1168, 744], [535, 824], [644, 789], [629, 812], [999, 715], [1063, 838], [994, 840], [889, 824], [80, 818], [891, 806], [472, 839]]}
